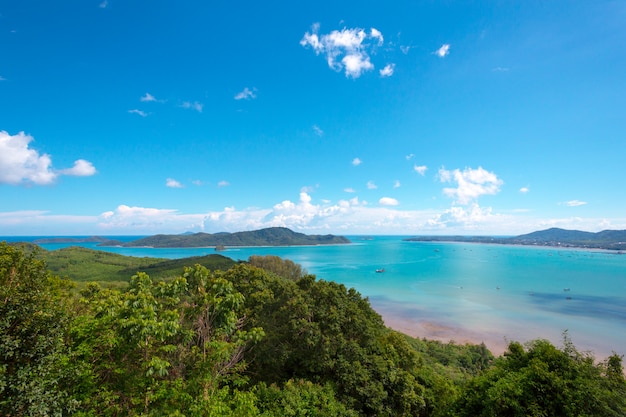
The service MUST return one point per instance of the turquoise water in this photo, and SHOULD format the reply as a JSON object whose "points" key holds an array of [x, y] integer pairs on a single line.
{"points": [[467, 292]]}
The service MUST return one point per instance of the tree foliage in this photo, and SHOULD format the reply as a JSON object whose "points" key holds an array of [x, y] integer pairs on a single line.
{"points": [[253, 341]]}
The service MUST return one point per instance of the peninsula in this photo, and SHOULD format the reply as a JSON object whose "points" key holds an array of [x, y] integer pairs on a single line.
{"points": [[606, 239], [273, 236]]}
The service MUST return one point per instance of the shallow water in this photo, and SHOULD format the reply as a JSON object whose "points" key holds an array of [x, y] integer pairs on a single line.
{"points": [[467, 292]]}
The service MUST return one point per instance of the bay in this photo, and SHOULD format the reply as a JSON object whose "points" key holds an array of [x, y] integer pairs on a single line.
{"points": [[462, 291]]}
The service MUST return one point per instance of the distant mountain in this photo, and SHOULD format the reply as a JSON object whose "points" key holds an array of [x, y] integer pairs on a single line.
{"points": [[273, 236], [606, 239], [92, 239]]}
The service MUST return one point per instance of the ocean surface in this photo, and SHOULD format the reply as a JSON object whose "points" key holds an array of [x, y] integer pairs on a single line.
{"points": [[461, 291]]}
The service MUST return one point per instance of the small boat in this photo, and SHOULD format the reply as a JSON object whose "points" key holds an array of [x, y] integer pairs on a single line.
{"points": [[381, 270]]}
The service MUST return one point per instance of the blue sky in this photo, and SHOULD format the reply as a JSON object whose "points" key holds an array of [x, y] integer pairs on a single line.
{"points": [[405, 117]]}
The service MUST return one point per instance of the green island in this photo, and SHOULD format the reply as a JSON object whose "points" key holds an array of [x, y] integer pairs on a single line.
{"points": [[272, 236], [606, 239], [89, 333]]}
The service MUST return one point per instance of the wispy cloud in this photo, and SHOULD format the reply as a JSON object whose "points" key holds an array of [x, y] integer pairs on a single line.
{"points": [[443, 51], [318, 131], [470, 184], [409, 156], [148, 97], [420, 169], [349, 190], [574, 203], [499, 69], [396, 184], [347, 49], [138, 112], [104, 4], [172, 183], [387, 71], [197, 106], [2, 78], [356, 162], [371, 185], [223, 184], [246, 94], [524, 190], [22, 165]]}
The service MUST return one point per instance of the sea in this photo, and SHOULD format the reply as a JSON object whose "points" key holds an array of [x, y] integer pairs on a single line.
{"points": [[461, 292]]}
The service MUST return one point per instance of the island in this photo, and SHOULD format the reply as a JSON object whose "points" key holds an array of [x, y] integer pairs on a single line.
{"points": [[272, 236], [606, 239]]}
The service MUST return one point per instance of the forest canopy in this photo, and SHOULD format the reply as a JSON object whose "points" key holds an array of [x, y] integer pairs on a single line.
{"points": [[260, 338]]}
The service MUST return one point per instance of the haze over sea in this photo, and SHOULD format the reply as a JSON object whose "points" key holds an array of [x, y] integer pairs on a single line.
{"points": [[461, 291]]}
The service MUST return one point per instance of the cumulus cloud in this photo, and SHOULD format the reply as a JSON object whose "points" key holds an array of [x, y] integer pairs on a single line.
{"points": [[81, 168], [356, 162], [471, 184], [420, 169], [466, 218], [20, 164], [371, 185], [574, 203], [387, 71], [139, 112], [388, 201], [348, 49], [172, 183], [192, 105], [246, 94], [524, 190], [443, 51]]}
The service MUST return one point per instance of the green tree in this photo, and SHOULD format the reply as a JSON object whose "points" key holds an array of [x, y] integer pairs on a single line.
{"points": [[36, 366]]}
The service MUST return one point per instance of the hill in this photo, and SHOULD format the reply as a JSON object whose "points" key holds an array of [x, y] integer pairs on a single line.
{"points": [[87, 265], [273, 236], [606, 239]]}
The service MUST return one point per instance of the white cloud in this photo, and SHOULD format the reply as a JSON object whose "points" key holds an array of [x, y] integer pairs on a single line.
{"points": [[469, 218], [388, 70], [574, 203], [471, 184], [421, 169], [223, 184], [376, 34], [356, 162], [349, 190], [148, 97], [317, 130], [104, 4], [443, 51], [2, 78], [524, 190], [81, 168], [197, 183], [405, 49], [246, 94], [388, 201], [409, 156], [347, 50], [20, 164], [139, 112], [371, 185], [192, 105], [500, 69], [396, 184], [172, 183]]}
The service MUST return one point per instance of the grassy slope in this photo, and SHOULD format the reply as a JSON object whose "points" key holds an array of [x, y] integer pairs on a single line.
{"points": [[88, 265]]}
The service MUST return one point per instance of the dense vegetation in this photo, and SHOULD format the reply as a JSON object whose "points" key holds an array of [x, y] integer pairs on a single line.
{"points": [[272, 236], [606, 239], [247, 341]]}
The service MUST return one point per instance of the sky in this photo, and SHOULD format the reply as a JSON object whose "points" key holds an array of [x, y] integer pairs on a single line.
{"points": [[410, 117]]}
